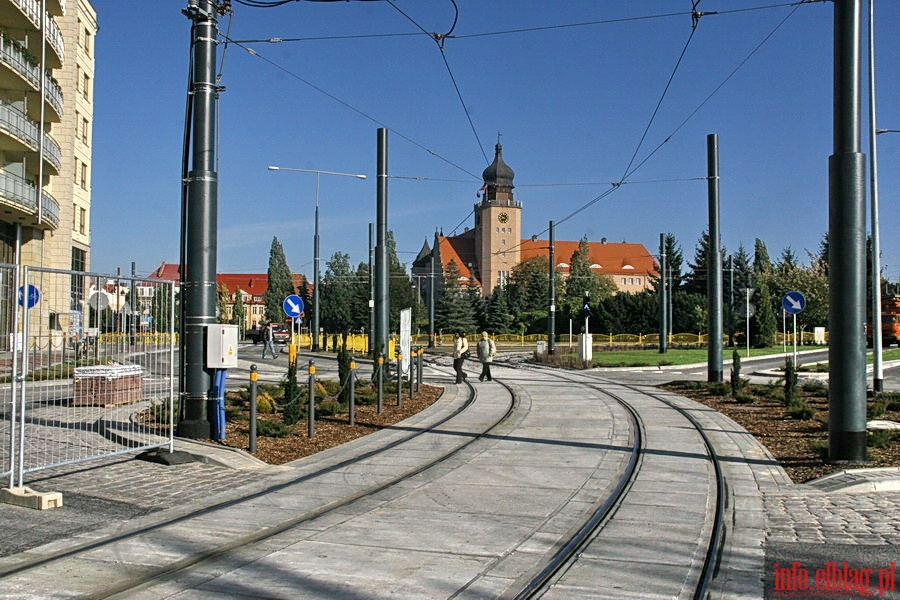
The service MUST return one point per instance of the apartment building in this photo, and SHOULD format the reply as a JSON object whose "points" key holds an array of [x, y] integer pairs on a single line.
{"points": [[45, 146]]}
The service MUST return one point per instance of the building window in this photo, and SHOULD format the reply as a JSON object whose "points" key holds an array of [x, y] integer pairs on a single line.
{"points": [[86, 87], [84, 176], [87, 41], [82, 221], [84, 130], [76, 286], [77, 172]]}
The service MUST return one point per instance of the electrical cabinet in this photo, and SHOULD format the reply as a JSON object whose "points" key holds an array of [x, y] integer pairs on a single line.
{"points": [[221, 346]]}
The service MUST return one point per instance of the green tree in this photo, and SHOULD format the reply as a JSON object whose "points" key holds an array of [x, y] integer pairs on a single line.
{"points": [[239, 312], [738, 275], [498, 318], [222, 299], [281, 284], [160, 308], [402, 293], [762, 265], [336, 295], [763, 325], [360, 304], [583, 281], [528, 294], [453, 310]]}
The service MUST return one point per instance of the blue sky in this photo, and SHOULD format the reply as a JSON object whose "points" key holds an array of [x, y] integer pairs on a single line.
{"points": [[571, 104]]}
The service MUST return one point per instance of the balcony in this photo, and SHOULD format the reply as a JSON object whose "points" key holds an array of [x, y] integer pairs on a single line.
{"points": [[18, 203], [31, 10], [24, 136], [14, 57]]}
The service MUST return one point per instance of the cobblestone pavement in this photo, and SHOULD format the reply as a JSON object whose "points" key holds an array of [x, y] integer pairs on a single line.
{"points": [[799, 514]]}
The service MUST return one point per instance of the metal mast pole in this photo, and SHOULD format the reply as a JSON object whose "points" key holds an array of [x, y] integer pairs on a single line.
{"points": [[381, 264], [315, 315], [371, 291], [877, 368], [663, 308], [199, 271], [551, 320], [431, 301], [715, 366], [846, 248]]}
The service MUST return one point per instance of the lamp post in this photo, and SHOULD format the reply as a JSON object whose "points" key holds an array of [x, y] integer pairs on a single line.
{"points": [[315, 315]]}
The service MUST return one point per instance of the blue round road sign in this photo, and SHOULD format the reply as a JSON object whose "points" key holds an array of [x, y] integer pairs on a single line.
{"points": [[293, 306], [793, 303], [31, 298]]}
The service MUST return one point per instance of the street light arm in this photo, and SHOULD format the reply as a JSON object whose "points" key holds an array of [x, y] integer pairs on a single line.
{"points": [[317, 171]]}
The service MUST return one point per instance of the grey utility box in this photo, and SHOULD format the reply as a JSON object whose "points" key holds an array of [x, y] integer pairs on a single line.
{"points": [[221, 346]]}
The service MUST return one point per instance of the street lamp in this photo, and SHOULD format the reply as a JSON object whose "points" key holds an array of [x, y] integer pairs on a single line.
{"points": [[315, 315]]}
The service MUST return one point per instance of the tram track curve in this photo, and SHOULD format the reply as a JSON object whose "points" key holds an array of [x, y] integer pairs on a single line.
{"points": [[23, 568], [541, 582]]}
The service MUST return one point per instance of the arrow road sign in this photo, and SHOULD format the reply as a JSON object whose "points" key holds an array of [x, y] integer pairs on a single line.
{"points": [[293, 306], [793, 303]]}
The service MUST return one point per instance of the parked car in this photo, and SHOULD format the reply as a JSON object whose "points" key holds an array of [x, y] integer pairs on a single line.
{"points": [[281, 334]]}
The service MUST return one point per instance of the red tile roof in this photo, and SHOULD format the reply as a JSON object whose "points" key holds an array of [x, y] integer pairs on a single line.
{"points": [[254, 284], [609, 257]]}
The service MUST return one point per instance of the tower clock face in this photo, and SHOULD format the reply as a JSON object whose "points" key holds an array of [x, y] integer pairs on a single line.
{"points": [[503, 217]]}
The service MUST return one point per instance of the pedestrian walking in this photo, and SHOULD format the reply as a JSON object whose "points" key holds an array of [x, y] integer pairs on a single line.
{"points": [[269, 336], [460, 351], [486, 351]]}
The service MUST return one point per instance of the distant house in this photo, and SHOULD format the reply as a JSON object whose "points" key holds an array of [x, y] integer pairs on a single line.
{"points": [[252, 286], [486, 254]]}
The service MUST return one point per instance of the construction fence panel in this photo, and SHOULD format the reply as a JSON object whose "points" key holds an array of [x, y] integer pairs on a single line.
{"points": [[7, 406], [94, 368]]}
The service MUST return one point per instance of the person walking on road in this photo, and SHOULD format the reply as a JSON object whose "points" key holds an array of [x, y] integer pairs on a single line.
{"points": [[486, 352], [269, 337], [460, 349]]}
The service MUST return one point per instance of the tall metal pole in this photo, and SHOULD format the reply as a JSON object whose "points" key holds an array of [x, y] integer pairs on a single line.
{"points": [[199, 271], [663, 308], [715, 368], [877, 367], [431, 303], [846, 248], [551, 320], [372, 352], [381, 264], [315, 315]]}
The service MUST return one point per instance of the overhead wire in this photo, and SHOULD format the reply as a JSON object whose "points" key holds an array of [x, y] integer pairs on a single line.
{"points": [[440, 38], [439, 41], [349, 106], [631, 170]]}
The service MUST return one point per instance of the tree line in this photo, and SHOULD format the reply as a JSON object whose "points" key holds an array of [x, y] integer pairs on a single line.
{"points": [[522, 305]]}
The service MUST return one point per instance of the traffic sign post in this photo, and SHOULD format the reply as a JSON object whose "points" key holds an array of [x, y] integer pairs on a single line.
{"points": [[794, 303], [30, 297], [293, 308]]}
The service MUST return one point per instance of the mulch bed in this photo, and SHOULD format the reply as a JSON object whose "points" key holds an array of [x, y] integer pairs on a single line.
{"points": [[330, 431], [799, 445]]}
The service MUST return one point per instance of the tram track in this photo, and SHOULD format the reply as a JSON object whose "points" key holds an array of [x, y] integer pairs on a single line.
{"points": [[134, 583], [568, 555], [547, 576]]}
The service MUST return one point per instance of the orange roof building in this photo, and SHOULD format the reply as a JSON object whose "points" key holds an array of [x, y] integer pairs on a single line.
{"points": [[486, 254]]}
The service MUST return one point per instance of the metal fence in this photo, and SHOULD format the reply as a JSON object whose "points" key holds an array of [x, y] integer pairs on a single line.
{"points": [[85, 360]]}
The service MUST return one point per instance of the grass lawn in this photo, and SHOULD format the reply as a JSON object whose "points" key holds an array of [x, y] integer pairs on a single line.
{"points": [[652, 358], [674, 356]]}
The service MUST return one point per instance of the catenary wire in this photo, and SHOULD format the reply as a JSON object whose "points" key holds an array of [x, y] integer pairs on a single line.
{"points": [[349, 106], [615, 186], [439, 41]]}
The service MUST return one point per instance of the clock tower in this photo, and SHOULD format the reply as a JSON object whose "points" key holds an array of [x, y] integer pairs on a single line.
{"points": [[498, 226]]}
